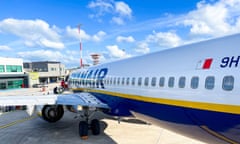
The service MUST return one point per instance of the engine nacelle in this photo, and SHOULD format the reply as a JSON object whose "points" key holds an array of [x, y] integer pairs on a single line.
{"points": [[52, 113]]}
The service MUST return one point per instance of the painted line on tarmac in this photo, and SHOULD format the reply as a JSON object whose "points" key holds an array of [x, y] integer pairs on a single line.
{"points": [[17, 122]]}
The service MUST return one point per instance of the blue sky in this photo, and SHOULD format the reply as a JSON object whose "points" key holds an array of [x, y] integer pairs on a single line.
{"points": [[47, 29]]}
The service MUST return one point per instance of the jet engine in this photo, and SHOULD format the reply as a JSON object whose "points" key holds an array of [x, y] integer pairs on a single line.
{"points": [[52, 113]]}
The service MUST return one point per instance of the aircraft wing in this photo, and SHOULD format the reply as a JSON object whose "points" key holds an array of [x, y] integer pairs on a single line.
{"points": [[83, 99]]}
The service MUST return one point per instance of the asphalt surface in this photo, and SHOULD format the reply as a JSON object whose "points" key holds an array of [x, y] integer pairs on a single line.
{"points": [[18, 128]]}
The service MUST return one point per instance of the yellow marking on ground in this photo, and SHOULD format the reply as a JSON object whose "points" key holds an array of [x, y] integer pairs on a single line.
{"points": [[17, 122]]}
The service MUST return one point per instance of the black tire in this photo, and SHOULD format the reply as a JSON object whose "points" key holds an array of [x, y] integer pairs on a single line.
{"points": [[83, 129], [95, 127]]}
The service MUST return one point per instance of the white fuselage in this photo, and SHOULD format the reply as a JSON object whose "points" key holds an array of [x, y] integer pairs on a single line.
{"points": [[202, 78]]}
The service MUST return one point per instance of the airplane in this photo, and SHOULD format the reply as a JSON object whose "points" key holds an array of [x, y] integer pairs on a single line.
{"points": [[192, 90]]}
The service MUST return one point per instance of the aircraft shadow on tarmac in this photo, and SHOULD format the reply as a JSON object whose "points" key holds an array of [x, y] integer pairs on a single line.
{"points": [[38, 131], [130, 120]]}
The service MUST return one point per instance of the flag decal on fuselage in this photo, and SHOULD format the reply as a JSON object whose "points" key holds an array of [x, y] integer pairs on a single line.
{"points": [[204, 64]]}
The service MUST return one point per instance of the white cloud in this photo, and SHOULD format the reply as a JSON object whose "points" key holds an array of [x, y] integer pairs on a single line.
{"points": [[164, 39], [5, 48], [118, 20], [123, 9], [74, 33], [119, 10], [41, 54], [216, 19], [32, 32], [125, 39], [99, 36], [51, 44], [115, 52], [142, 48], [101, 7], [70, 58]]}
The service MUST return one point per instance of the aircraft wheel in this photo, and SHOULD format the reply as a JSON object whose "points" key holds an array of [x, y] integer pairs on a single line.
{"points": [[95, 126], [83, 130]]}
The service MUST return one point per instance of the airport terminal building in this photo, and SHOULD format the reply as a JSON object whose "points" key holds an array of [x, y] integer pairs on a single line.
{"points": [[46, 71], [12, 74]]}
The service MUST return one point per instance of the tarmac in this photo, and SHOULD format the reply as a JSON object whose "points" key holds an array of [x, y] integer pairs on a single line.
{"points": [[17, 127]]}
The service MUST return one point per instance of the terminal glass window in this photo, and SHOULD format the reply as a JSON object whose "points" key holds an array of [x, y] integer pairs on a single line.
{"points": [[2, 68], [14, 68], [3, 84], [228, 83], [209, 82], [194, 82], [14, 84], [181, 82]]}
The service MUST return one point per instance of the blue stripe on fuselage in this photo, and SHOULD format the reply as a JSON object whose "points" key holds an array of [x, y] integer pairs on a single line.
{"points": [[222, 123]]}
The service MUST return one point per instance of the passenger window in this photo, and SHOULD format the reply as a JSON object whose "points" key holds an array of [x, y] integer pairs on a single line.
{"points": [[128, 81], [105, 80], [111, 80], [139, 81], [118, 81], [114, 81], [133, 81], [161, 82], [146, 81], [182, 82], [171, 82], [194, 82], [209, 82], [123, 80], [228, 83], [153, 82]]}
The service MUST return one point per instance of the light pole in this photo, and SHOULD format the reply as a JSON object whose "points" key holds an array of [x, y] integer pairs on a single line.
{"points": [[79, 31]]}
